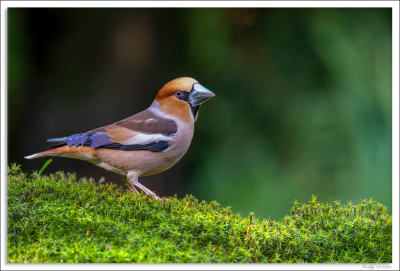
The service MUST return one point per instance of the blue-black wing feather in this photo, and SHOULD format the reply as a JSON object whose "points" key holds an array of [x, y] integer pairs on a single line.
{"points": [[102, 140]]}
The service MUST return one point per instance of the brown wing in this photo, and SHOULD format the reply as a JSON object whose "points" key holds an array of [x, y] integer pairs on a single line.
{"points": [[143, 131], [144, 122], [141, 128]]}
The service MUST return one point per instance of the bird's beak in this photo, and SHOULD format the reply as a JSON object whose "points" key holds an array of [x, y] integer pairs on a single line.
{"points": [[199, 95]]}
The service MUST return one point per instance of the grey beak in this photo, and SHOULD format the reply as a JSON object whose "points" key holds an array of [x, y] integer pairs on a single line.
{"points": [[199, 95]]}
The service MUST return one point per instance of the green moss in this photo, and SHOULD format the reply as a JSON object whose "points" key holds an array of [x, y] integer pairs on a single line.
{"points": [[57, 219]]}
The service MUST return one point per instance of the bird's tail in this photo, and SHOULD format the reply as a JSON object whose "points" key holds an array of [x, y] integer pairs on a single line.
{"points": [[80, 152], [41, 154]]}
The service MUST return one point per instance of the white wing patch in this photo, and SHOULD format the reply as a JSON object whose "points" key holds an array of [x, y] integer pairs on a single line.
{"points": [[143, 139], [125, 136]]}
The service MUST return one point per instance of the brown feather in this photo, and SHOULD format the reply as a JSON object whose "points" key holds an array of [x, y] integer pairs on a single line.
{"points": [[144, 122], [119, 134], [82, 152]]}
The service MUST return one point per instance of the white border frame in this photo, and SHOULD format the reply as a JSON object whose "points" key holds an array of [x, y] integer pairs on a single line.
{"points": [[395, 132]]}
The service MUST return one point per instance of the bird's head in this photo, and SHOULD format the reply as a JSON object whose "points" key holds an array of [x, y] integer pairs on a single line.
{"points": [[182, 98]]}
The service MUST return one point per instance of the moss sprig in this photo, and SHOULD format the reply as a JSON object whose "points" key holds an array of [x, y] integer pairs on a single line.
{"points": [[56, 218]]}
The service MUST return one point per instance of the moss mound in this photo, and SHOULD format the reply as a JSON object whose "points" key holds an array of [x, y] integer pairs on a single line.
{"points": [[53, 219]]}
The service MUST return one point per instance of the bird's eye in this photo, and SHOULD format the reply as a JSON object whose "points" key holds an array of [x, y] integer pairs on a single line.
{"points": [[178, 93]]}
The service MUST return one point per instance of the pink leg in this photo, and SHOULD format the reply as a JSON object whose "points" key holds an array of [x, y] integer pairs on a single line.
{"points": [[134, 180], [146, 190], [132, 188], [129, 185]]}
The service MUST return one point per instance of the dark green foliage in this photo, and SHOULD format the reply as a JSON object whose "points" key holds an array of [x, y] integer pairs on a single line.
{"points": [[57, 219], [303, 95]]}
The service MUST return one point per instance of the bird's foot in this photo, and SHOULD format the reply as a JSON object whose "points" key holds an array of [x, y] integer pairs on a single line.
{"points": [[134, 182], [154, 196], [158, 198]]}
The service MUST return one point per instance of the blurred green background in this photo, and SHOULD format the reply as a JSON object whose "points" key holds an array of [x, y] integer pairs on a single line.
{"points": [[302, 106]]}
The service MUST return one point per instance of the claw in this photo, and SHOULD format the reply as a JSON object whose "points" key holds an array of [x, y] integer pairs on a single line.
{"points": [[158, 198]]}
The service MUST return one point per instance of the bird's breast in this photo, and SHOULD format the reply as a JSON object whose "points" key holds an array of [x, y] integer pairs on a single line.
{"points": [[180, 142]]}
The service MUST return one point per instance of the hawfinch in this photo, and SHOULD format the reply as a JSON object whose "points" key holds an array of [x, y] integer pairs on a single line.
{"points": [[144, 144]]}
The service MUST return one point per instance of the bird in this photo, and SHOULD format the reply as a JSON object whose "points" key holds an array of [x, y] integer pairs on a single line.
{"points": [[144, 144]]}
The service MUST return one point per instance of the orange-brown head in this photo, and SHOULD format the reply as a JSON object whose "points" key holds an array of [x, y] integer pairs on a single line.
{"points": [[182, 97]]}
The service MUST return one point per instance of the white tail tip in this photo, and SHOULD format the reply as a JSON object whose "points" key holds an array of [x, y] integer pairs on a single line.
{"points": [[31, 156]]}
